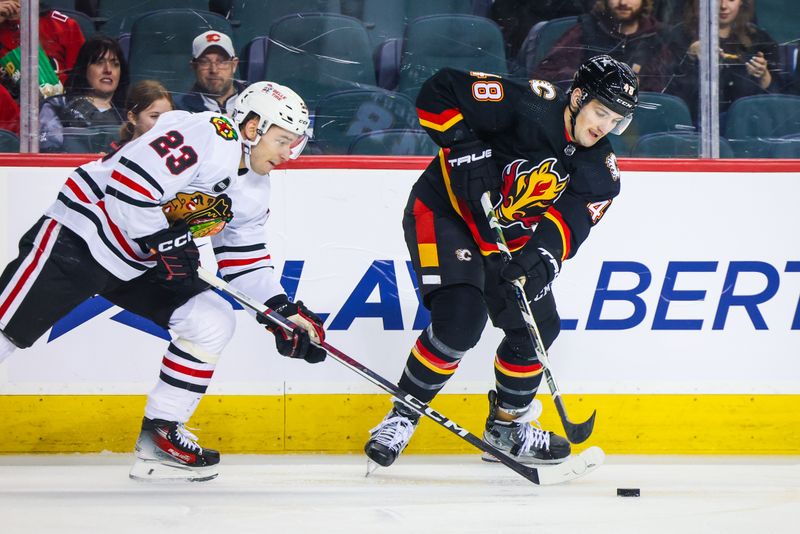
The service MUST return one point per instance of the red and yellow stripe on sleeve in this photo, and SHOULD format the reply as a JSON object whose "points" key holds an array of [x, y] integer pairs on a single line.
{"points": [[555, 217], [439, 121]]}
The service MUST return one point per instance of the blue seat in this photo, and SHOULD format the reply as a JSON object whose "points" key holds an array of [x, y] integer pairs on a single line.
{"points": [[342, 116], [753, 121], [253, 18], [674, 145], [540, 39], [394, 143], [657, 112], [9, 141], [161, 45], [464, 42], [117, 16], [90, 140], [316, 54]]}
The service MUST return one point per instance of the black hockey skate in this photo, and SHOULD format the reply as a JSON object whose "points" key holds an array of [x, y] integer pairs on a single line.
{"points": [[526, 443], [390, 437], [165, 450]]}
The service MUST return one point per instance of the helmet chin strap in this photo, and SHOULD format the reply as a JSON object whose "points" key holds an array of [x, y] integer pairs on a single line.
{"points": [[248, 145]]}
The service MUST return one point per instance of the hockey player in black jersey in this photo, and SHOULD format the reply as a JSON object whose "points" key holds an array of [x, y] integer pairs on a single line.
{"points": [[552, 176]]}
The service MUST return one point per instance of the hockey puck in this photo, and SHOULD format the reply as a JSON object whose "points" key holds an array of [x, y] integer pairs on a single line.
{"points": [[627, 492]]}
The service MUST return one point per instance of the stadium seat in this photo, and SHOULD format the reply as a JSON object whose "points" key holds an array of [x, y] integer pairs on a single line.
{"points": [[765, 116], [161, 45], [89, 140], [387, 19], [422, 8], [342, 116], [674, 145], [780, 19], [252, 18], [787, 147], [393, 143], [657, 112], [316, 54], [117, 16], [460, 41], [540, 39], [84, 21], [9, 142]]}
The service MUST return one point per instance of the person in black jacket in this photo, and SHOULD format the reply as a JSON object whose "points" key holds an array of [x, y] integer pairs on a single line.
{"points": [[543, 158], [749, 62]]}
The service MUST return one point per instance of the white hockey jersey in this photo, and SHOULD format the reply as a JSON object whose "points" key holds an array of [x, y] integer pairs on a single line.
{"points": [[115, 200]]}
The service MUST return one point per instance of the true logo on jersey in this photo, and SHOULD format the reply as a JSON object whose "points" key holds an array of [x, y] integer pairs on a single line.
{"points": [[613, 168], [221, 186], [224, 128], [528, 190]]}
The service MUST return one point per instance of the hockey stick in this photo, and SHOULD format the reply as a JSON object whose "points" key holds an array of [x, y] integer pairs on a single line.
{"points": [[576, 432], [572, 468]]}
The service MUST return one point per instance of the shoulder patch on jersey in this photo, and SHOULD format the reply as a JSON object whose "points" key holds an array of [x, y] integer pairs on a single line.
{"points": [[543, 89], [59, 16], [613, 168], [224, 128]]}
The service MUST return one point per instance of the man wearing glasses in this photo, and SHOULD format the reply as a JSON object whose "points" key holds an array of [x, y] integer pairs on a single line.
{"points": [[214, 63]]}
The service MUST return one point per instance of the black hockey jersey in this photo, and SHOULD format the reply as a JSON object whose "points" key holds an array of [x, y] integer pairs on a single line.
{"points": [[552, 191]]}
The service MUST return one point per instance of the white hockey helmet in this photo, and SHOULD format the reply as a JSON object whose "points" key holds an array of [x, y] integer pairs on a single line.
{"points": [[275, 105]]}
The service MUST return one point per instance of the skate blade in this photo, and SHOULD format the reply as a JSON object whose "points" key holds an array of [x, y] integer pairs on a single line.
{"points": [[576, 466], [371, 467], [155, 471]]}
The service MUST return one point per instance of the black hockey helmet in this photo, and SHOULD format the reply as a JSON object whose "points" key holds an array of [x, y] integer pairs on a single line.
{"points": [[612, 83]]}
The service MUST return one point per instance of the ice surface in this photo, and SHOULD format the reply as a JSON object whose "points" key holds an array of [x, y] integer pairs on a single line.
{"points": [[419, 494]]}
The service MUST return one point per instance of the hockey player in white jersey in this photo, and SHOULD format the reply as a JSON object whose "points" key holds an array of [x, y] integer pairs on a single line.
{"points": [[123, 227]]}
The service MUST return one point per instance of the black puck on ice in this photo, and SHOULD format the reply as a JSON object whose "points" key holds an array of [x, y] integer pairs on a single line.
{"points": [[627, 492]]}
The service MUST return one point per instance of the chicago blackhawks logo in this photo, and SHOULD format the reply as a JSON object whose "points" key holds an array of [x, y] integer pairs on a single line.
{"points": [[205, 215], [528, 190], [224, 128]]}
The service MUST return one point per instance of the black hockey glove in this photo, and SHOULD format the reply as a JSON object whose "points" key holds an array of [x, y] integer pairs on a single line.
{"points": [[538, 266], [297, 343], [177, 257], [473, 172]]}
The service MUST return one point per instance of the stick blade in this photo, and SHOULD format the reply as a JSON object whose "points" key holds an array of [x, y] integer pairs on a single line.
{"points": [[576, 466], [580, 432]]}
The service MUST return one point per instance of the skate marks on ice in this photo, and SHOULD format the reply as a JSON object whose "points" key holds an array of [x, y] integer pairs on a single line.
{"points": [[89, 494]]}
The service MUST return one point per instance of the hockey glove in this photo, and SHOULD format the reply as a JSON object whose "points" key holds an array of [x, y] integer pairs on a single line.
{"points": [[177, 257], [472, 171], [297, 343], [538, 268]]}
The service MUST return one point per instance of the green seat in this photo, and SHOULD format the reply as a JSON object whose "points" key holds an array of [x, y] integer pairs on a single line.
{"points": [[316, 54], [786, 148], [674, 145], [763, 147], [657, 112], [161, 45], [393, 143], [415, 9], [780, 19], [540, 39], [387, 19], [89, 140], [254, 17], [342, 116], [763, 116], [119, 15], [9, 142], [460, 41]]}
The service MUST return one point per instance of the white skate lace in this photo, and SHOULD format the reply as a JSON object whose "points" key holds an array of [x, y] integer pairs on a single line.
{"points": [[186, 438], [394, 431], [530, 436]]}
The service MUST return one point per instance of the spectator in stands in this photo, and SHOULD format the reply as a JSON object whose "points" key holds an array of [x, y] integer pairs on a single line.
{"points": [[749, 63], [214, 63], [146, 101], [93, 96], [60, 36], [517, 17], [623, 29], [9, 112]]}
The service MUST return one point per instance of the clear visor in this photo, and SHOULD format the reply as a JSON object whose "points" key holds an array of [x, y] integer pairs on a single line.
{"points": [[297, 147], [622, 125]]}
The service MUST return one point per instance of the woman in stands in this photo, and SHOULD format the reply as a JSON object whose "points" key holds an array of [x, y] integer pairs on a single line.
{"points": [[748, 57], [146, 101], [93, 96]]}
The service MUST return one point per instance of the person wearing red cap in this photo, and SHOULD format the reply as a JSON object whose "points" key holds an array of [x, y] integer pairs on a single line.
{"points": [[214, 63]]}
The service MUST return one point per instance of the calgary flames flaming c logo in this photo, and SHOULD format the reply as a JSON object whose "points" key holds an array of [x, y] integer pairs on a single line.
{"points": [[529, 190]]}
